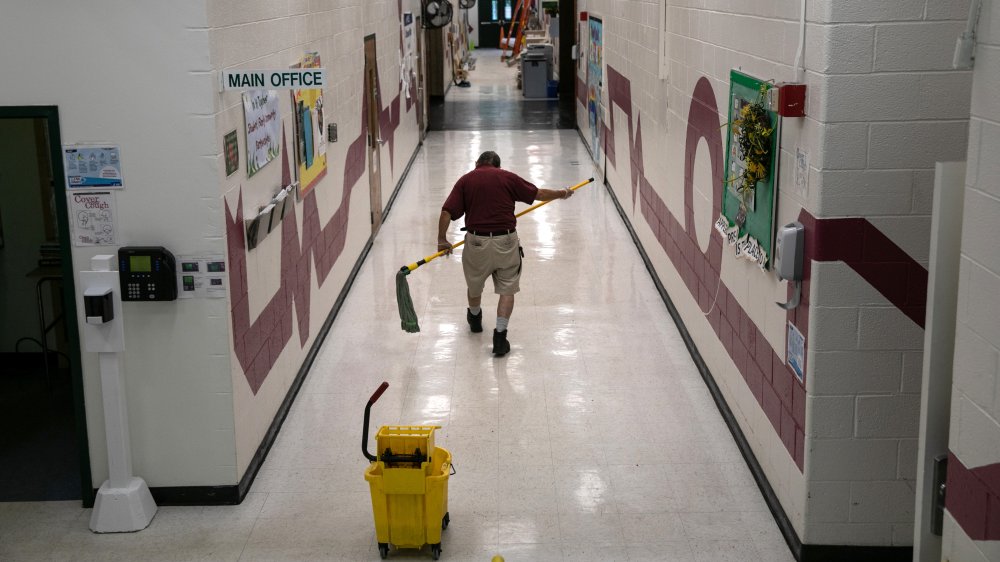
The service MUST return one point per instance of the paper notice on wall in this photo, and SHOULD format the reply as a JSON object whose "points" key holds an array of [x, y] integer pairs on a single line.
{"points": [[201, 277], [92, 167], [796, 351], [263, 128], [801, 172], [406, 55], [93, 218], [746, 247]]}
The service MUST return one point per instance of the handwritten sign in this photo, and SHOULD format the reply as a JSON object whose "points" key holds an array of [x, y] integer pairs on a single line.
{"points": [[263, 123], [747, 247]]}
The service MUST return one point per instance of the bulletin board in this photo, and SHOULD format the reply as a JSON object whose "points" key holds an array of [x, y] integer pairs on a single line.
{"points": [[595, 75], [310, 130], [749, 230]]}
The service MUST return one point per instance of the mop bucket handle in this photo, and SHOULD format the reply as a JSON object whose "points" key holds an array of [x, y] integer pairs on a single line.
{"points": [[368, 410], [406, 269]]}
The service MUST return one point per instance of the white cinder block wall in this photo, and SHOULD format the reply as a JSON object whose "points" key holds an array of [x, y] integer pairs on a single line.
{"points": [[973, 500], [152, 102], [884, 106], [263, 34], [193, 419], [706, 40], [891, 106]]}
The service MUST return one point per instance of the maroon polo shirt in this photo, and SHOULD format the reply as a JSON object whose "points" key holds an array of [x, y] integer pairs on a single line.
{"points": [[486, 197]]}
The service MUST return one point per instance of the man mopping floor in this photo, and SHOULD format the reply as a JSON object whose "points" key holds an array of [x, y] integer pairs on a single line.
{"points": [[486, 197]]}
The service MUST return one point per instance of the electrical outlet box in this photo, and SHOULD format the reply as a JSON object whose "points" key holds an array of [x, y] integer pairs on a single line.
{"points": [[331, 132]]}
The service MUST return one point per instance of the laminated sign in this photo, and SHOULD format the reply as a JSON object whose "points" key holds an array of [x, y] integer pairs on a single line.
{"points": [[93, 167], [260, 109]]}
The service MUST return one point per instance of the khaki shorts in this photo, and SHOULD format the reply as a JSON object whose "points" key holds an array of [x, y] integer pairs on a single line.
{"points": [[492, 256]]}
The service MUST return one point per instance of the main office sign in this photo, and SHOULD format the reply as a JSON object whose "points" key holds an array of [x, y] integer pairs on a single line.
{"points": [[289, 79]]}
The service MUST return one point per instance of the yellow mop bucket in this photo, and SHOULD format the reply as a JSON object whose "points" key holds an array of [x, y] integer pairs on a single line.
{"points": [[409, 484]]}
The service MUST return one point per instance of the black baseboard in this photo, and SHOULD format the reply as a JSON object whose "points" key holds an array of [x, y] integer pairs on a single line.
{"points": [[197, 495], [235, 494], [801, 552], [844, 553]]}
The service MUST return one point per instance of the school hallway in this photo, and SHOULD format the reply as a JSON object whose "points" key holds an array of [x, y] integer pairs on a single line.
{"points": [[595, 438]]}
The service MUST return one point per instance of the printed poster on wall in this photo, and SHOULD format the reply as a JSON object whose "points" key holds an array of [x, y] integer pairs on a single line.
{"points": [[93, 218], [796, 351], [310, 131], [406, 64], [93, 167], [201, 277], [595, 58], [231, 149], [263, 122]]}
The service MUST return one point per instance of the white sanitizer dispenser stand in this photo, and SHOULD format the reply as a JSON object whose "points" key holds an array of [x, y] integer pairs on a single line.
{"points": [[123, 503]]}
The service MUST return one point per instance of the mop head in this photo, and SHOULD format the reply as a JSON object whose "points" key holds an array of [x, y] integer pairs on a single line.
{"points": [[407, 316]]}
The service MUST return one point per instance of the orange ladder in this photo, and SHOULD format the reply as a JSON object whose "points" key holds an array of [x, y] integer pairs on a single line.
{"points": [[520, 19]]}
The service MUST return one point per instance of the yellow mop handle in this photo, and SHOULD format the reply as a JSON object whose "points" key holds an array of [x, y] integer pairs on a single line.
{"points": [[431, 257]]}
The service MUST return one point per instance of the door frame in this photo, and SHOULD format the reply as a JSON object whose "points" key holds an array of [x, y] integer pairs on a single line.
{"points": [[484, 6], [50, 114], [421, 77], [374, 149], [939, 349]]}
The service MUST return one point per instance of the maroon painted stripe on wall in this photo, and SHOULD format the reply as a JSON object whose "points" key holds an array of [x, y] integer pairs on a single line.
{"points": [[876, 258], [258, 343], [772, 383], [973, 498], [854, 241]]}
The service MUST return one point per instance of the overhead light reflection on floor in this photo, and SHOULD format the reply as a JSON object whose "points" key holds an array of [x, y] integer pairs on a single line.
{"points": [[436, 406], [591, 491], [545, 249]]}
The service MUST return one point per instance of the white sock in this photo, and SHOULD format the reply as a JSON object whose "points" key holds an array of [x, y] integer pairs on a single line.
{"points": [[475, 310], [502, 323]]}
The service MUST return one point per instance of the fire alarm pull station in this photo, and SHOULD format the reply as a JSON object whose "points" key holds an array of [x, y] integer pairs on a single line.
{"points": [[147, 273]]}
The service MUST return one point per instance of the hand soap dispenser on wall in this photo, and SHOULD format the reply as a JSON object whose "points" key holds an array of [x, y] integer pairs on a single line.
{"points": [[788, 259]]}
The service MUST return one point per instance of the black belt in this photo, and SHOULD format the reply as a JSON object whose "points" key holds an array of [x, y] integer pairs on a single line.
{"points": [[493, 233]]}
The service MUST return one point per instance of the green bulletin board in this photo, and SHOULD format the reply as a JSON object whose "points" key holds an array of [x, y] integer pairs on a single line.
{"points": [[758, 226]]}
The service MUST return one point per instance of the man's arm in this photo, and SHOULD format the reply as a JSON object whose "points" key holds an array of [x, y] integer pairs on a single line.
{"points": [[443, 223], [550, 194]]}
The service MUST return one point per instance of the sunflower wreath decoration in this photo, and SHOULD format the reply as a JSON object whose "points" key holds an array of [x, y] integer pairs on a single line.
{"points": [[752, 131]]}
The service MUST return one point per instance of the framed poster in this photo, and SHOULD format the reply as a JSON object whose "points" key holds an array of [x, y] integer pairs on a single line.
{"points": [[748, 207], [232, 152]]}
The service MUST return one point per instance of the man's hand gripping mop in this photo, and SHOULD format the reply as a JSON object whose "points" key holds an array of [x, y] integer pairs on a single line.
{"points": [[407, 315]]}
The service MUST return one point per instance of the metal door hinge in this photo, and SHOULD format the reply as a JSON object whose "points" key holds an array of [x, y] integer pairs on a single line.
{"points": [[938, 494]]}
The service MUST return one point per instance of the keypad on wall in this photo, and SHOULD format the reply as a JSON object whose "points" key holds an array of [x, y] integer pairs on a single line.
{"points": [[147, 273]]}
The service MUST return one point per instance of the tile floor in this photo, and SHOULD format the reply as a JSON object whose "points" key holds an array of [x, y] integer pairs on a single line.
{"points": [[493, 102], [594, 439]]}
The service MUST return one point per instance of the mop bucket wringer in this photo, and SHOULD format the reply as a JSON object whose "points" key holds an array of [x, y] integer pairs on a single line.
{"points": [[408, 480]]}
